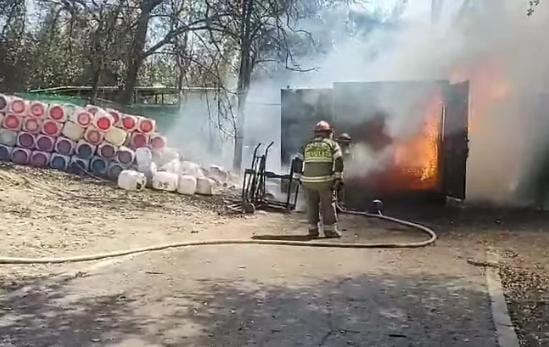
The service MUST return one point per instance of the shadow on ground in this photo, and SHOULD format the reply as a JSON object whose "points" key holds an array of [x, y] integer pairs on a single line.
{"points": [[381, 310]]}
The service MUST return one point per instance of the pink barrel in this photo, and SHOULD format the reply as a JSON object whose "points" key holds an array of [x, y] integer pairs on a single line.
{"points": [[40, 159], [12, 122], [26, 140], [129, 122], [37, 109], [158, 142], [94, 136], [45, 143], [17, 106], [32, 125], [3, 103], [139, 140], [57, 113], [21, 155], [64, 146], [84, 118], [116, 116], [52, 128], [146, 125]]}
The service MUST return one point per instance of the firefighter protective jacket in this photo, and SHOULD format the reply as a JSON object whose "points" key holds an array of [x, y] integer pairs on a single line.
{"points": [[322, 161]]}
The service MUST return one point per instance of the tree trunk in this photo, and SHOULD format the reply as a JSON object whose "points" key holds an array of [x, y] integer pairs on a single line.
{"points": [[135, 58], [244, 77]]}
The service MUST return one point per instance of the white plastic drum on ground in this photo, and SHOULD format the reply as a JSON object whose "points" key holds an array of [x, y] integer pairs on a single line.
{"points": [[64, 146], [73, 131], [132, 180], [21, 156], [186, 185], [45, 143], [166, 181], [26, 140], [8, 137], [40, 159], [32, 125], [59, 161], [143, 158], [5, 152], [204, 186]]}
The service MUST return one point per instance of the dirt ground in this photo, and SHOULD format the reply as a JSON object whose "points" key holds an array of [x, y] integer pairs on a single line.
{"points": [[48, 213]]}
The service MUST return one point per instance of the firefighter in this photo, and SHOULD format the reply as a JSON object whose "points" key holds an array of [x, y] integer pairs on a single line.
{"points": [[322, 176], [344, 140]]}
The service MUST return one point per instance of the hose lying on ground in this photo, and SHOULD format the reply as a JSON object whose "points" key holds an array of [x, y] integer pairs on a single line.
{"points": [[330, 244]]}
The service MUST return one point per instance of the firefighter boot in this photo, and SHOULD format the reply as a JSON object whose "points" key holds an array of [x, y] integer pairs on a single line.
{"points": [[331, 231]]}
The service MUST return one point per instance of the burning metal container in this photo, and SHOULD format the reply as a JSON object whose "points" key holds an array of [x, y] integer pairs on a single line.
{"points": [[410, 138]]}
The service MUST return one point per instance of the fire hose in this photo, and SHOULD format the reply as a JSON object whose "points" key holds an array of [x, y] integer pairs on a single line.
{"points": [[331, 244]]}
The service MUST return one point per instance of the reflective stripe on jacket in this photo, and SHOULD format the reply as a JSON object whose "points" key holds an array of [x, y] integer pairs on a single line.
{"points": [[319, 161]]}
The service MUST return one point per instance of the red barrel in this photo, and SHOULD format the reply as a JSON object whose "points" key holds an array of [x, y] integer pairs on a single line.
{"points": [[139, 140], [129, 122], [57, 113], [158, 142], [103, 121], [12, 122], [146, 125], [84, 118], [52, 128], [38, 109]]}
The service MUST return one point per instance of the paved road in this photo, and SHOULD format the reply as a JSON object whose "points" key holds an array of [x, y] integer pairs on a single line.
{"points": [[266, 296]]}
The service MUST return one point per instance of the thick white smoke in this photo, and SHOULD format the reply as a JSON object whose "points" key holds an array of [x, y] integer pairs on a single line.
{"points": [[504, 54]]}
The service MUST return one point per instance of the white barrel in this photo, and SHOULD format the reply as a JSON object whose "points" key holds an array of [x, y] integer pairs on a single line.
{"points": [[64, 146], [77, 165], [173, 166], [84, 150], [204, 186], [146, 125], [161, 157], [73, 131], [12, 122], [4, 101], [94, 135], [38, 109], [21, 155], [18, 106], [132, 180], [107, 150], [40, 159], [5, 152], [52, 127], [116, 136], [143, 158], [59, 161], [190, 168], [186, 185], [103, 121], [45, 143], [57, 113], [26, 140], [165, 181], [8, 137], [32, 125], [129, 122]]}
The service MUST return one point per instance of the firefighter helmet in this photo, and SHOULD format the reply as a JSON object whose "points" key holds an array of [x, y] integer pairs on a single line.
{"points": [[323, 127], [344, 138]]}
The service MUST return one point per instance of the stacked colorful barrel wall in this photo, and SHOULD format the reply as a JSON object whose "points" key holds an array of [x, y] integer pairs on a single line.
{"points": [[73, 138]]}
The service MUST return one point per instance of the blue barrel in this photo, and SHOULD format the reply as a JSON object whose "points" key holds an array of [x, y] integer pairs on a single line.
{"points": [[98, 166], [5, 153]]}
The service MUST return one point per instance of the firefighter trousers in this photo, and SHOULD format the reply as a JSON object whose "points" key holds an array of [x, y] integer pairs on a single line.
{"points": [[321, 201]]}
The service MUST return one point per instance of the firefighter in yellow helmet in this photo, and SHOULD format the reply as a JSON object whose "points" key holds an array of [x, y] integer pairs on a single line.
{"points": [[322, 175]]}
